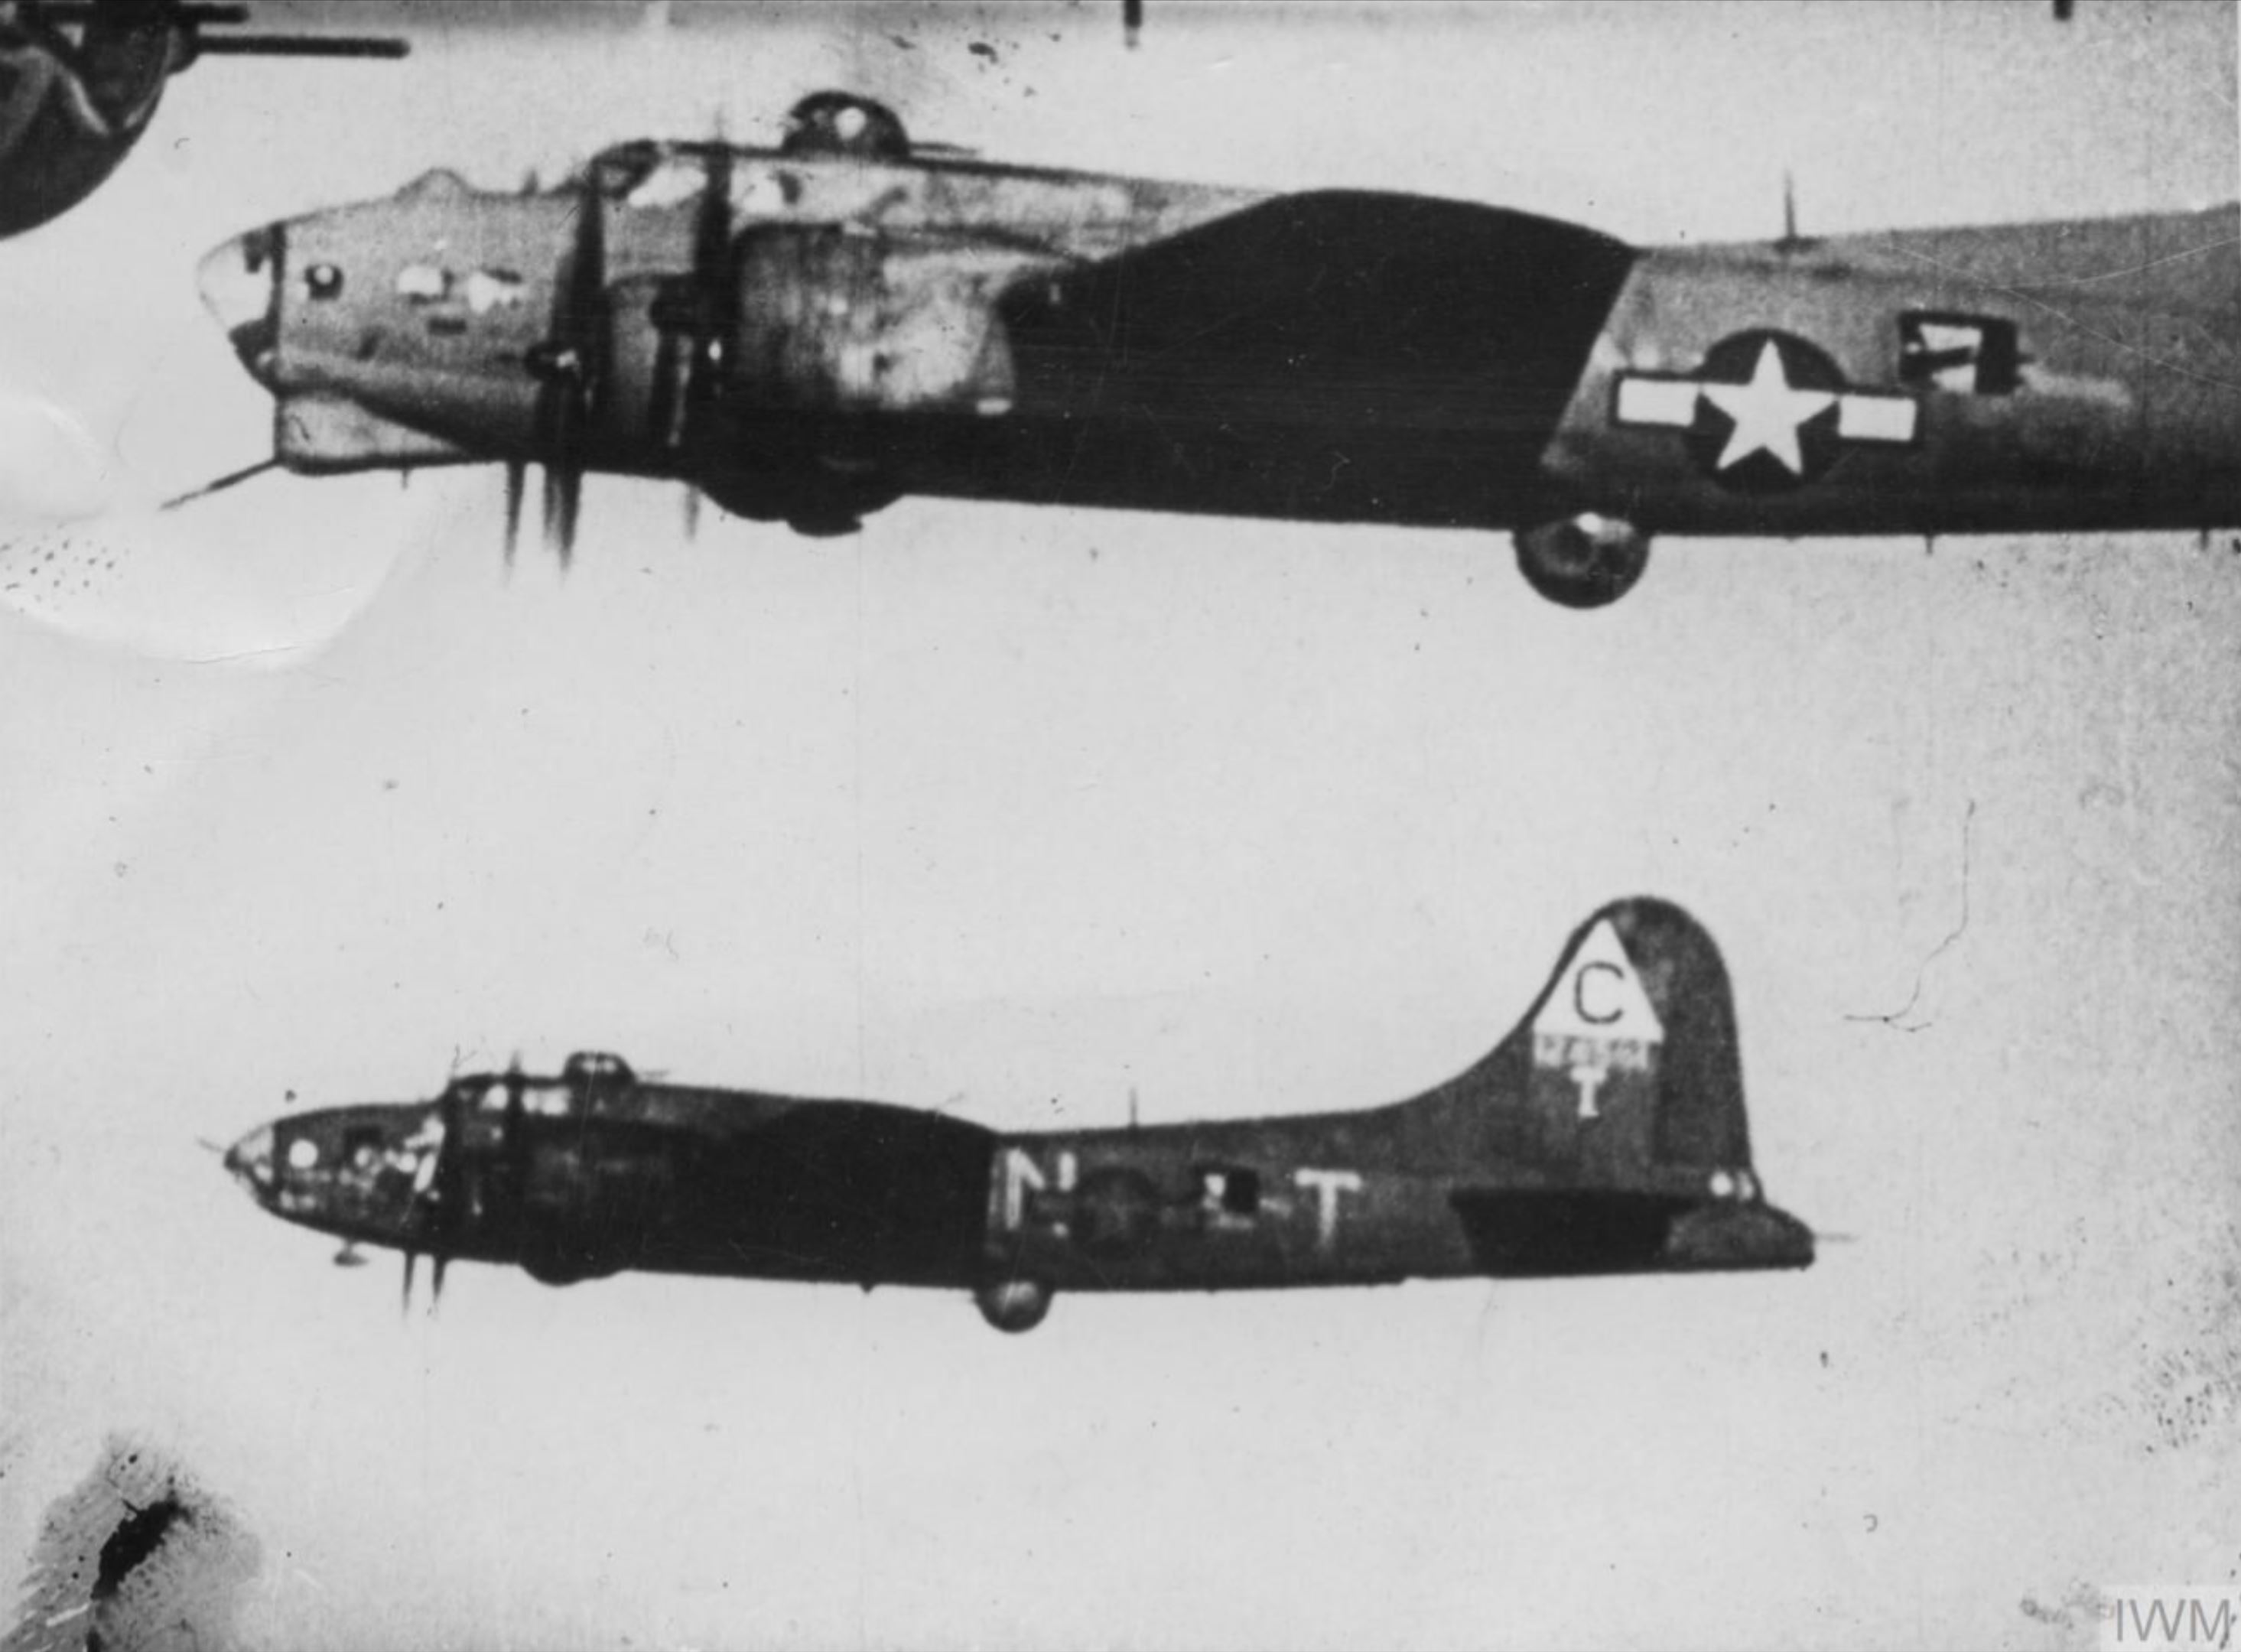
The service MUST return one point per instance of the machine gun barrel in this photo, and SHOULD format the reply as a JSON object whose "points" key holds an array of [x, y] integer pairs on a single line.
{"points": [[299, 46], [189, 16], [200, 22]]}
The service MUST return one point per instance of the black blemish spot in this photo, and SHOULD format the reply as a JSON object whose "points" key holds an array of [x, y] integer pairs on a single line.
{"points": [[139, 1534], [169, 1564], [982, 48]]}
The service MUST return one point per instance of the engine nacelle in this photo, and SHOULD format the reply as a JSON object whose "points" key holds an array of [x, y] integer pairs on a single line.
{"points": [[834, 339], [827, 318], [817, 493]]}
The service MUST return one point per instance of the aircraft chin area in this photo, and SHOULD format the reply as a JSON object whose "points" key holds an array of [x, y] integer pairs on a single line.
{"points": [[1605, 1134], [810, 333]]}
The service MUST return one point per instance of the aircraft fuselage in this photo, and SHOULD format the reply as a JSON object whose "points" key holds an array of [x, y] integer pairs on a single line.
{"points": [[1604, 1135], [809, 336]]}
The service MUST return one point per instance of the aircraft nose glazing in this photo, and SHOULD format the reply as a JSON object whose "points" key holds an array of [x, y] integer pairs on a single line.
{"points": [[240, 286], [249, 1159]]}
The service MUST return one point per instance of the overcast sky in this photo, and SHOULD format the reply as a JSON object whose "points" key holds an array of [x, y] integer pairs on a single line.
{"points": [[1018, 812]]}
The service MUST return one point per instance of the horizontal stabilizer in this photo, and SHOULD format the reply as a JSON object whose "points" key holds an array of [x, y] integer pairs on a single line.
{"points": [[1520, 1234]]}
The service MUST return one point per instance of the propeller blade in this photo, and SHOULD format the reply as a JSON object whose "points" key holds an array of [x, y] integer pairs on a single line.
{"points": [[300, 46], [449, 1186], [564, 500], [710, 294], [692, 513], [711, 227], [568, 364], [517, 482], [410, 1257]]}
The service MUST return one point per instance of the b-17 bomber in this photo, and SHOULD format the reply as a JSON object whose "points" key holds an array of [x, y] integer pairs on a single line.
{"points": [[1605, 1134], [807, 333], [80, 81]]}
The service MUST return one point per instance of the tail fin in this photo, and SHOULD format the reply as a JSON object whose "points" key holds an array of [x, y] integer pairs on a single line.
{"points": [[1625, 1067], [1615, 1104]]}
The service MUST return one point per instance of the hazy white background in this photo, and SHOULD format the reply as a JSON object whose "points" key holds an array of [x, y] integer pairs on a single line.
{"points": [[1015, 811]]}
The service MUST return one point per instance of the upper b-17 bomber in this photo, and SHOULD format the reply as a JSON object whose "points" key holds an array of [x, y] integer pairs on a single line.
{"points": [[1605, 1134], [807, 333], [80, 81]]}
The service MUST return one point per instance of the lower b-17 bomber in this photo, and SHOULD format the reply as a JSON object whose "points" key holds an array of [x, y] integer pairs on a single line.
{"points": [[807, 333], [1605, 1134]]}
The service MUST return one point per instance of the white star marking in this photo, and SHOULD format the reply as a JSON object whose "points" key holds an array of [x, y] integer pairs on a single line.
{"points": [[1766, 411]]}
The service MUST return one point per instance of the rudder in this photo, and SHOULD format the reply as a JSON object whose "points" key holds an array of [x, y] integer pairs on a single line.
{"points": [[1624, 1069]]}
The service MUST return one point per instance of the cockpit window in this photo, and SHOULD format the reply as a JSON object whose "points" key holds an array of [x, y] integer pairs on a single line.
{"points": [[676, 177], [323, 281], [616, 172], [542, 1098], [548, 1101], [646, 173]]}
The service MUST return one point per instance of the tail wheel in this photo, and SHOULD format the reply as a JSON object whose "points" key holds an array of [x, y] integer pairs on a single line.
{"points": [[1013, 1305], [1584, 561]]}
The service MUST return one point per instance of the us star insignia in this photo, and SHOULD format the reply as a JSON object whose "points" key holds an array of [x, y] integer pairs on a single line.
{"points": [[1767, 412]]}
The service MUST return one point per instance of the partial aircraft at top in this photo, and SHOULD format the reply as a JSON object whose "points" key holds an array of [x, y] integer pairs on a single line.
{"points": [[1605, 1134], [809, 332], [80, 80]]}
